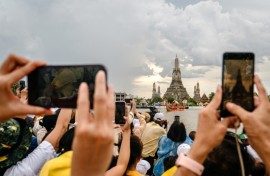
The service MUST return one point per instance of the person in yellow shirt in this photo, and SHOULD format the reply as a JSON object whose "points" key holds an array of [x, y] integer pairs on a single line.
{"points": [[136, 147]]}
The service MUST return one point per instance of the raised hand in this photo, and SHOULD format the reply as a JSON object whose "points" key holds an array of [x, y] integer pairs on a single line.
{"points": [[93, 142], [12, 70]]}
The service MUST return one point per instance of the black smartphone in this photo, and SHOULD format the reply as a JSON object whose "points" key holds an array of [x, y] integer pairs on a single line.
{"points": [[237, 81], [120, 111], [57, 86], [127, 100], [22, 85]]}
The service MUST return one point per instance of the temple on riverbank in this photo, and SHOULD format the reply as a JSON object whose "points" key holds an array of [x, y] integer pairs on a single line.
{"points": [[176, 89]]}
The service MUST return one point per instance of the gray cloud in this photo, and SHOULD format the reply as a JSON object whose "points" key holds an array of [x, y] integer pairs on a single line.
{"points": [[124, 34]]}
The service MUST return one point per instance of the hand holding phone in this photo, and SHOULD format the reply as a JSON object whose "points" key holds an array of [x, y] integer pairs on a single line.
{"points": [[120, 112], [57, 86], [237, 81]]}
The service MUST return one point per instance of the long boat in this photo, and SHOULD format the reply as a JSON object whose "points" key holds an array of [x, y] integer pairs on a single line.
{"points": [[175, 108]]}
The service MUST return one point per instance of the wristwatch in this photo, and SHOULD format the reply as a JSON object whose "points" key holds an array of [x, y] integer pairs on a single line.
{"points": [[190, 164]]}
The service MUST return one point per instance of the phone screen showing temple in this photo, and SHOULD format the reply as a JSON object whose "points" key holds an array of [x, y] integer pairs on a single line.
{"points": [[120, 110], [57, 86], [237, 81]]}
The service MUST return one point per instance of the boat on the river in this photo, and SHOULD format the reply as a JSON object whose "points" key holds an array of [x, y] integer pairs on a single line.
{"points": [[175, 106]]}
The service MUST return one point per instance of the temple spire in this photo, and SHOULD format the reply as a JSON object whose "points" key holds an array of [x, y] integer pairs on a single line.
{"points": [[176, 62]]}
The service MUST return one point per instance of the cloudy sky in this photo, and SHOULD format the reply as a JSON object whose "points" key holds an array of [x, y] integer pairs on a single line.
{"points": [[138, 40]]}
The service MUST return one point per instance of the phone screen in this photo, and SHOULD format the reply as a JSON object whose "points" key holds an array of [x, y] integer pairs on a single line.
{"points": [[22, 85], [120, 111], [57, 86], [127, 100], [237, 81]]}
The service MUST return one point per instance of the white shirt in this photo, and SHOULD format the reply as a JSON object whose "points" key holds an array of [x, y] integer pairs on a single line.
{"points": [[32, 164]]}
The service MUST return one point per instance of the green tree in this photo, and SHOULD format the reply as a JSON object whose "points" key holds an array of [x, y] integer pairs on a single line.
{"points": [[192, 102], [170, 99], [138, 100], [211, 95], [156, 100]]}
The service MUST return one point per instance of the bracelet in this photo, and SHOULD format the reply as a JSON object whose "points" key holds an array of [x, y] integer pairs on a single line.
{"points": [[189, 164]]}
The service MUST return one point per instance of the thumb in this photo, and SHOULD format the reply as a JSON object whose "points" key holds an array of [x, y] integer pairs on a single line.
{"points": [[238, 111]]}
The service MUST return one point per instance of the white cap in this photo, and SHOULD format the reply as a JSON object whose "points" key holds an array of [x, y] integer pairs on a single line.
{"points": [[183, 148], [159, 116], [143, 166], [136, 123]]}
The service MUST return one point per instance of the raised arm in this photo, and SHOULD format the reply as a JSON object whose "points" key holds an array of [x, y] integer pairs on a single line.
{"points": [[12, 70], [93, 142], [124, 154], [257, 123], [60, 128], [210, 133]]}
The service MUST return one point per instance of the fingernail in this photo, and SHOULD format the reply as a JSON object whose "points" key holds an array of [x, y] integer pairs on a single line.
{"points": [[229, 105]]}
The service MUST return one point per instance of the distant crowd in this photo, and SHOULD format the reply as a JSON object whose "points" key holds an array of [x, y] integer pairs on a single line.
{"points": [[56, 142]]}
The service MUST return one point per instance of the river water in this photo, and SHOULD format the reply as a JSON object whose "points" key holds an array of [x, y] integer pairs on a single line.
{"points": [[189, 117]]}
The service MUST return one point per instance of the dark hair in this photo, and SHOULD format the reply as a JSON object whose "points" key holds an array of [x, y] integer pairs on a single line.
{"points": [[192, 135], [177, 132], [113, 162], [169, 162], [49, 121], [136, 147], [259, 169], [65, 142], [224, 161]]}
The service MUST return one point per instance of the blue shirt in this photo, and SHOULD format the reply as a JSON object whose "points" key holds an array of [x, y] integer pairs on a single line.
{"points": [[166, 148]]}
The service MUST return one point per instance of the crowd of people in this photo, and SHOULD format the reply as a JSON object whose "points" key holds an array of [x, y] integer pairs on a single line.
{"points": [[39, 141]]}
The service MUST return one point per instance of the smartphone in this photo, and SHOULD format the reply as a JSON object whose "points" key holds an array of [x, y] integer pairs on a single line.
{"points": [[127, 100], [22, 85], [57, 86], [237, 81], [120, 112]]}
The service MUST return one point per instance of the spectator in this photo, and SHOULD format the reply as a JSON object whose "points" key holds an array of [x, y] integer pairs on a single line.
{"points": [[138, 121], [32, 164], [168, 144], [150, 137], [136, 147]]}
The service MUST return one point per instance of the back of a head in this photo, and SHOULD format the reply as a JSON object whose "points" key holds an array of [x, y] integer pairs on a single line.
{"points": [[177, 132], [136, 147], [224, 160], [147, 117], [192, 135], [65, 143], [169, 162]]}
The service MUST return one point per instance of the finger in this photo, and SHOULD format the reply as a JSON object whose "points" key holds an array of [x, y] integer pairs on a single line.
{"points": [[83, 104], [256, 101], [23, 71], [11, 63], [215, 103], [261, 90], [126, 112], [100, 97], [226, 122], [238, 111], [28, 109], [110, 105]]}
